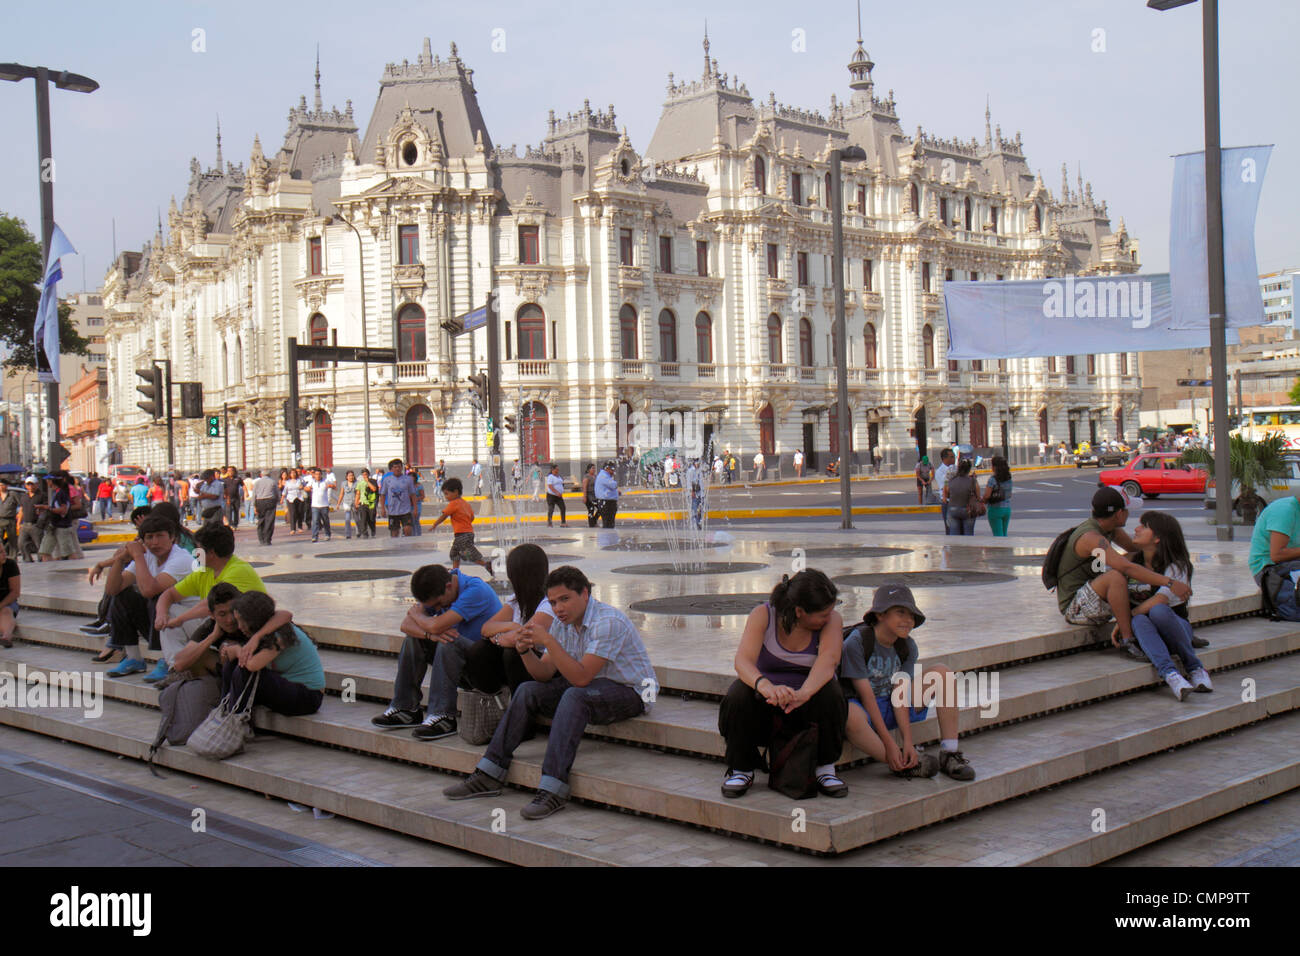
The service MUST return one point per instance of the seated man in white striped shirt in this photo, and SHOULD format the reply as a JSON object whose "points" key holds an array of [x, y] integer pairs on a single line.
{"points": [[591, 667]]}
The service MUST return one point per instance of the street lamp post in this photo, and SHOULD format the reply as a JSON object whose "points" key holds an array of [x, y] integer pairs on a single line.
{"points": [[16, 72], [365, 340], [842, 338], [1214, 252]]}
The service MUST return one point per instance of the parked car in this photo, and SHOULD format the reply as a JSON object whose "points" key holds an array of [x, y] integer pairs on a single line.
{"points": [[1103, 458], [1155, 474], [1275, 489]]}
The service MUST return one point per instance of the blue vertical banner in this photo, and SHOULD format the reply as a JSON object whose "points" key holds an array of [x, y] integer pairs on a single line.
{"points": [[45, 332], [1243, 170]]}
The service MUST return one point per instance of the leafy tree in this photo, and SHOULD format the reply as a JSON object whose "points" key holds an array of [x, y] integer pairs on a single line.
{"points": [[20, 279], [1294, 394], [1252, 465]]}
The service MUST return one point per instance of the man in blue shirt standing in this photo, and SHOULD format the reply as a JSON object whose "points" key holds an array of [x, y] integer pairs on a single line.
{"points": [[444, 623], [395, 492], [607, 495]]}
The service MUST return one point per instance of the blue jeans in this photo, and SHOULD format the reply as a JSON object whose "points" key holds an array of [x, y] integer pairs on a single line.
{"points": [[943, 513], [320, 518], [571, 709], [959, 521], [418, 506], [1160, 633], [347, 523]]}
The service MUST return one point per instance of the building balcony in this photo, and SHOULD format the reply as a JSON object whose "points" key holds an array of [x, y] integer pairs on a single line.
{"points": [[932, 375], [706, 371], [931, 300], [778, 373], [632, 368], [807, 373], [777, 288], [409, 275], [318, 378], [872, 302], [631, 277], [669, 370], [413, 371]]}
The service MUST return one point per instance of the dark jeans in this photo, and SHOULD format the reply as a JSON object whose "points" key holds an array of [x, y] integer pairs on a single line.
{"points": [[571, 709], [960, 521], [413, 662], [608, 511], [943, 513], [489, 668], [265, 510], [320, 519], [298, 515], [273, 690], [593, 512], [552, 502], [365, 522], [130, 617], [746, 720]]}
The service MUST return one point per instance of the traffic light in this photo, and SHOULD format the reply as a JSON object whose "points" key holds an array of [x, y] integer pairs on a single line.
{"points": [[510, 422], [153, 391], [214, 426], [303, 418], [480, 384], [191, 399]]}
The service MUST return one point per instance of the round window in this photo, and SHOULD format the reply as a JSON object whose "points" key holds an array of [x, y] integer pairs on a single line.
{"points": [[410, 154]]}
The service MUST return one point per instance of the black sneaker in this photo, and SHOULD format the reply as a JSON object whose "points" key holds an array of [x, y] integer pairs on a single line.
{"points": [[737, 783], [477, 784], [97, 630], [1198, 641], [435, 727], [955, 765], [393, 718], [543, 805]]}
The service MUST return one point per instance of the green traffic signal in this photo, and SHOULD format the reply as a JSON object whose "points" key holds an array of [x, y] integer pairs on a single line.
{"points": [[214, 426]]}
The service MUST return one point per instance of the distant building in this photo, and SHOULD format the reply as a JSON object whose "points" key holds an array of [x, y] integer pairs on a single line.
{"points": [[85, 419], [692, 276], [1278, 290]]}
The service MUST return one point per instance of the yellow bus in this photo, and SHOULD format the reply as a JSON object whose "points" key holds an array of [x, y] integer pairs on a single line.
{"points": [[1263, 420]]}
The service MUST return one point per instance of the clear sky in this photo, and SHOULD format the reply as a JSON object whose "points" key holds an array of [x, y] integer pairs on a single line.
{"points": [[1106, 84]]}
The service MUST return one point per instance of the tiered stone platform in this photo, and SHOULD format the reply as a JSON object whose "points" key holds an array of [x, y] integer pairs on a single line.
{"points": [[1079, 728]]}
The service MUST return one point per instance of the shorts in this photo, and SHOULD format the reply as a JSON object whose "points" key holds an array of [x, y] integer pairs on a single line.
{"points": [[60, 543], [14, 608], [886, 706], [1088, 607], [397, 522], [463, 549]]}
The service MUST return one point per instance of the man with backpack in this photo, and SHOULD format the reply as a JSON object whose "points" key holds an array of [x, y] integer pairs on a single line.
{"points": [[1275, 554], [1091, 577]]}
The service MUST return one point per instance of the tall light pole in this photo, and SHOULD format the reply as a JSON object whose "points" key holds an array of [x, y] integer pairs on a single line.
{"points": [[841, 338], [16, 72], [365, 339], [1214, 252]]}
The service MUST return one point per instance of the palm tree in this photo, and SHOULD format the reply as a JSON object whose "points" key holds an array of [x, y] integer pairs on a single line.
{"points": [[1252, 464]]}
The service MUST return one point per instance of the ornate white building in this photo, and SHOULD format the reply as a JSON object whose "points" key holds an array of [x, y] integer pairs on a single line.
{"points": [[691, 276]]}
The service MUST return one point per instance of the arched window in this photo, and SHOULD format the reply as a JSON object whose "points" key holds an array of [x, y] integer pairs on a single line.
{"points": [[421, 448], [774, 350], [927, 347], [1036, 218], [826, 197], [805, 343], [323, 440], [704, 339], [627, 332], [531, 322], [914, 197], [667, 336], [318, 333], [760, 175], [411, 345], [968, 214], [767, 431], [869, 342], [979, 426], [239, 359], [535, 428], [225, 365]]}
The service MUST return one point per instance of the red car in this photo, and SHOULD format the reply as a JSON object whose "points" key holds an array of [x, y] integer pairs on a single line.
{"points": [[1154, 475]]}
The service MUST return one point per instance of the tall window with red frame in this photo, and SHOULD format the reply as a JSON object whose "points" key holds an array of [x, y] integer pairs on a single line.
{"points": [[862, 199], [411, 345], [1092, 365], [701, 257], [925, 277], [315, 256], [772, 260], [667, 336], [867, 267], [532, 333], [805, 343], [665, 253], [760, 175], [802, 260], [927, 346], [796, 188], [408, 245], [1069, 365], [627, 332], [529, 253], [319, 334], [704, 339], [869, 340], [774, 350], [625, 247]]}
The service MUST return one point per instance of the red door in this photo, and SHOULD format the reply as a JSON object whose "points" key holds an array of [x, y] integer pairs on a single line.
{"points": [[324, 440], [420, 445]]}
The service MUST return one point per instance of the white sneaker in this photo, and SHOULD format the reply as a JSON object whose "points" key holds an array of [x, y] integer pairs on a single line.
{"points": [[1178, 684], [1201, 680]]}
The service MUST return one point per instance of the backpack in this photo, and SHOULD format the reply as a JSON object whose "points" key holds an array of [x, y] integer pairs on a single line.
{"points": [[997, 493], [1052, 560], [185, 701], [792, 761], [1278, 593]]}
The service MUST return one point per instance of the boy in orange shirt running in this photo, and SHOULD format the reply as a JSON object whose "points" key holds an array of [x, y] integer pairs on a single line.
{"points": [[462, 526]]}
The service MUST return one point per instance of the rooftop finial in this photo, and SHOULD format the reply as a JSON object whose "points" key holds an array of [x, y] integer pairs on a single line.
{"points": [[706, 49], [426, 53], [988, 118], [318, 106], [860, 64], [220, 164], [859, 21]]}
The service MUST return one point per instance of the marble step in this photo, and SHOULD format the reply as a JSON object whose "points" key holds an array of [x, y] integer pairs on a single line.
{"points": [[1142, 803], [409, 799], [1012, 760], [980, 654], [692, 725]]}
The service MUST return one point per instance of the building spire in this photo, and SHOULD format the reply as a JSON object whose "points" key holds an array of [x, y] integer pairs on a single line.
{"points": [[220, 164], [318, 104], [706, 49], [860, 64], [988, 119], [859, 21]]}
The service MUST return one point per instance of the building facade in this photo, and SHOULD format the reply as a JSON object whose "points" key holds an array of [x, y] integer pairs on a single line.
{"points": [[689, 281], [85, 419]]}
